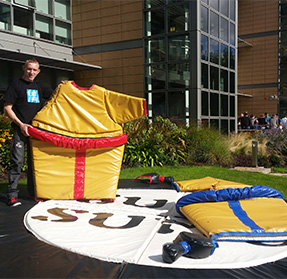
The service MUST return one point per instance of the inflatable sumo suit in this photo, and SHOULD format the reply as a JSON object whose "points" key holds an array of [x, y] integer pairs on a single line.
{"points": [[78, 142], [224, 210]]}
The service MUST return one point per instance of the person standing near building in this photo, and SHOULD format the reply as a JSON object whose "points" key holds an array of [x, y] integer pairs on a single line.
{"points": [[284, 122], [245, 121], [22, 100], [261, 122], [273, 122]]}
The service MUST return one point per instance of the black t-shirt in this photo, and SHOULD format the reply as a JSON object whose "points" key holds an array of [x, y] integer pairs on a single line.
{"points": [[27, 98]]}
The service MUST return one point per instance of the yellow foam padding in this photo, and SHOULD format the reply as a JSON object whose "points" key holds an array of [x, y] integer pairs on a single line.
{"points": [[54, 171], [216, 217], [88, 113], [207, 183]]}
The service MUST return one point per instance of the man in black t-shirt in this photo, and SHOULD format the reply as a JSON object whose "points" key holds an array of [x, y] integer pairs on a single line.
{"points": [[22, 100]]}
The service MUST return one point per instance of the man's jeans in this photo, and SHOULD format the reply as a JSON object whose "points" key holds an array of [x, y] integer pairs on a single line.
{"points": [[17, 156]]}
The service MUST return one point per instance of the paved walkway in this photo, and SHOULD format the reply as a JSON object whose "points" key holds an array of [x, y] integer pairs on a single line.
{"points": [[260, 169]]}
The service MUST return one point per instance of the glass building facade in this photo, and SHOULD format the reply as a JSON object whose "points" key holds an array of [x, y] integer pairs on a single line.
{"points": [[45, 19], [190, 60]]}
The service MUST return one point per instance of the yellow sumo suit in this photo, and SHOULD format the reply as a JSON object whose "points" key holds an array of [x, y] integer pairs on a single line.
{"points": [[77, 142]]}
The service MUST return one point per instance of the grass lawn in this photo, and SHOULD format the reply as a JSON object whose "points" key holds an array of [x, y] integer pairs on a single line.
{"points": [[185, 173]]}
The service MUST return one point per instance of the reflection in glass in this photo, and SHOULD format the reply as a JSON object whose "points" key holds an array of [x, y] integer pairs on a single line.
{"points": [[224, 7], [5, 17], [224, 126], [179, 48], [204, 47], [214, 21], [153, 3], [232, 106], [62, 9], [63, 33], [232, 34], [155, 50], [283, 89], [23, 21], [232, 58], [158, 104], [44, 27], [214, 51], [27, 3], [232, 82], [214, 79], [154, 22], [179, 75], [44, 6], [214, 4], [204, 75], [204, 19], [214, 104], [224, 55], [232, 126], [178, 18], [204, 103], [224, 80], [232, 9], [176, 104], [214, 123], [224, 105], [224, 29], [155, 77]]}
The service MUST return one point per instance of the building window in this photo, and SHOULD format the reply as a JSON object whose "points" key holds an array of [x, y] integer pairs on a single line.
{"points": [[178, 48], [214, 51], [44, 27], [232, 58], [155, 77], [214, 78], [63, 33], [44, 6], [204, 75], [178, 75], [224, 55], [223, 80], [26, 3], [204, 47], [155, 51], [155, 22], [224, 105], [224, 7], [214, 104], [224, 29], [204, 19], [178, 18], [204, 103], [62, 9], [214, 24], [214, 4], [158, 104], [176, 104], [5, 17], [232, 34], [23, 21]]}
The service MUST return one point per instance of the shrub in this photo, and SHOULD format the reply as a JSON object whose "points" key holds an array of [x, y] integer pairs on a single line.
{"points": [[207, 146], [153, 144]]}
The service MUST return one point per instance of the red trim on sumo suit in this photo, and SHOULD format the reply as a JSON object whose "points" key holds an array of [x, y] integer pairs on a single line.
{"points": [[81, 145]]}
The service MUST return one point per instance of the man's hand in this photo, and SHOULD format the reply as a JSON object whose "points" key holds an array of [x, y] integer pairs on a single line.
{"points": [[25, 129]]}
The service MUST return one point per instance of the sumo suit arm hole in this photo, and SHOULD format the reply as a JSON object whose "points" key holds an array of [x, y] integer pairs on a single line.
{"points": [[123, 108]]}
